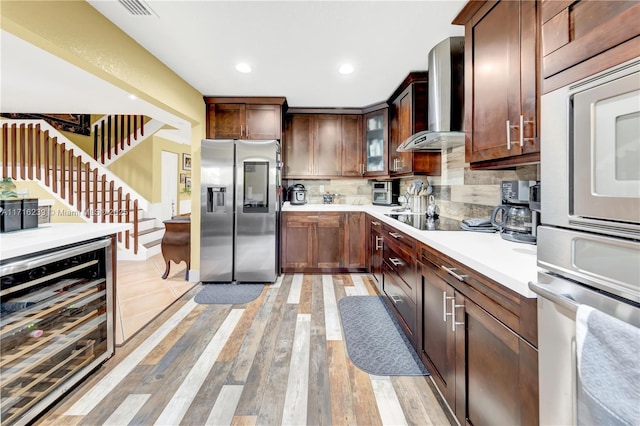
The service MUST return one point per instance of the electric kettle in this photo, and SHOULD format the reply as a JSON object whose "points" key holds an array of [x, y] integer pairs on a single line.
{"points": [[515, 223], [297, 194]]}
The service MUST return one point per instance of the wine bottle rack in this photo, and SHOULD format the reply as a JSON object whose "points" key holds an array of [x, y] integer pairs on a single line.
{"points": [[55, 325]]}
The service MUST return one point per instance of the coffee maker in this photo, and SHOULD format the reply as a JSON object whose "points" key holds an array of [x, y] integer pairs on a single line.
{"points": [[517, 217]]}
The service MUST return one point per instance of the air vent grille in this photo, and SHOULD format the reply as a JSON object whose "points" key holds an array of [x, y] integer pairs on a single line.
{"points": [[137, 7]]}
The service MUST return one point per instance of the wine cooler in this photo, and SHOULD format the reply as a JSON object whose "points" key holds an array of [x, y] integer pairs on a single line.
{"points": [[56, 324]]}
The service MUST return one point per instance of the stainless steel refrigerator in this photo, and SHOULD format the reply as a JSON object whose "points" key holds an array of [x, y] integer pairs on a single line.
{"points": [[239, 211]]}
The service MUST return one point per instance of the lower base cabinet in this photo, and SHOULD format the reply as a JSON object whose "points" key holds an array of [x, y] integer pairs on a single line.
{"points": [[374, 251], [486, 372], [322, 242]]}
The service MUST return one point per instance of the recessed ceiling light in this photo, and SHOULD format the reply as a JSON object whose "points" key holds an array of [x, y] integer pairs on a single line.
{"points": [[133, 97], [243, 68], [345, 69]]}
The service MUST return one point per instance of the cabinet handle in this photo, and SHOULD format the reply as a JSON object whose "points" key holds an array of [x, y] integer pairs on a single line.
{"points": [[362, 168], [375, 223], [312, 217], [445, 314], [395, 235], [453, 314], [241, 130], [453, 274], [379, 240], [522, 123], [396, 299], [395, 261], [508, 135]]}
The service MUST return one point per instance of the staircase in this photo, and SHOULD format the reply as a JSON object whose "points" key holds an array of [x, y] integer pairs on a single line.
{"points": [[34, 150]]}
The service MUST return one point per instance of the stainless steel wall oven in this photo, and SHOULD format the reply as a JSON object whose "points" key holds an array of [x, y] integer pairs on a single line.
{"points": [[589, 249], [56, 324]]}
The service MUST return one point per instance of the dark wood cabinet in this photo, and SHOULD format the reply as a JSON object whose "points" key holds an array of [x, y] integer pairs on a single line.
{"points": [[408, 110], [399, 277], [581, 38], [322, 242], [355, 241], [374, 250], [351, 139], [501, 96], [375, 146], [478, 341], [322, 145], [244, 118]]}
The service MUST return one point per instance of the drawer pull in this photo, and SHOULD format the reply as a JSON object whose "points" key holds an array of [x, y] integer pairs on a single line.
{"points": [[375, 223], [453, 312], [395, 235], [379, 243], [395, 261], [396, 299], [453, 274]]}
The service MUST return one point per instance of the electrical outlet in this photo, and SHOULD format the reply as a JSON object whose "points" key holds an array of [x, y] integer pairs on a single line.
{"points": [[321, 188]]}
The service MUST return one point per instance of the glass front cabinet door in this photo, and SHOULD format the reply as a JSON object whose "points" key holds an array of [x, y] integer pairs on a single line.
{"points": [[376, 143]]}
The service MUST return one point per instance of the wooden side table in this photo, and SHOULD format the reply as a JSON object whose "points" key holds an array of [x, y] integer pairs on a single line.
{"points": [[176, 243]]}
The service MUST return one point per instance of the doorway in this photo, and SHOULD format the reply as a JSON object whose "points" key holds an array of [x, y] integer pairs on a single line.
{"points": [[169, 185]]}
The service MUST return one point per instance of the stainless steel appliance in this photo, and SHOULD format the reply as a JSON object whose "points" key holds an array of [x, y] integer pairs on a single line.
{"points": [[514, 218], [56, 324], [239, 211], [385, 193], [589, 240], [297, 194], [446, 99], [427, 223]]}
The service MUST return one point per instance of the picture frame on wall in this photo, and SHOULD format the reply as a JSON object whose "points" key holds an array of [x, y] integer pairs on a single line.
{"points": [[183, 177], [187, 183], [186, 161]]}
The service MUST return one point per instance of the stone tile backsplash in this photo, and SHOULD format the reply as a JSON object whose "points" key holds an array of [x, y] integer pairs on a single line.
{"points": [[459, 192]]}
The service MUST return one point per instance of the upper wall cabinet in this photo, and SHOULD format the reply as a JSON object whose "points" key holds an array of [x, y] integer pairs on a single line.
{"points": [[319, 145], [252, 118], [408, 110], [581, 38], [501, 98], [375, 146]]}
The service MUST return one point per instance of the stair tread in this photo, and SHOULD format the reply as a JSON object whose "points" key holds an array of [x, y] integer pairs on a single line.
{"points": [[152, 243], [149, 231]]}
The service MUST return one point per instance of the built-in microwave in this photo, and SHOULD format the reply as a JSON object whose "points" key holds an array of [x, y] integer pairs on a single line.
{"points": [[385, 193], [590, 159]]}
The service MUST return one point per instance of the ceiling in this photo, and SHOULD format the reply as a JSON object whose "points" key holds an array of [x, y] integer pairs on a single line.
{"points": [[293, 47]]}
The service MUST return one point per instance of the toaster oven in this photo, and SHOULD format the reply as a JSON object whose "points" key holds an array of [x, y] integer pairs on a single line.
{"points": [[386, 193]]}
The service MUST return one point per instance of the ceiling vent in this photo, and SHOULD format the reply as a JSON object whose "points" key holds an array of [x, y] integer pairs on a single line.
{"points": [[138, 7]]}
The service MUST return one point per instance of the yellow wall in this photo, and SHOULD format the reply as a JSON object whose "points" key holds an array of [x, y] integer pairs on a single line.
{"points": [[77, 33], [59, 212]]}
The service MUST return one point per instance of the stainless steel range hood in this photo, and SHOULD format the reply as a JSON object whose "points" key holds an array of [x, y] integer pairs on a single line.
{"points": [[446, 99]]}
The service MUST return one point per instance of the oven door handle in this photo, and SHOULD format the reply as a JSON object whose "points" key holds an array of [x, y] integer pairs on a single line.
{"points": [[559, 299]]}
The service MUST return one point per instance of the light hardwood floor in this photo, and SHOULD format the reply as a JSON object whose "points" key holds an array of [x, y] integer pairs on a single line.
{"points": [[277, 360], [141, 293]]}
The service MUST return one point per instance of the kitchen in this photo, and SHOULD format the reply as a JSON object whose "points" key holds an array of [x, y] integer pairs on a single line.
{"points": [[450, 185]]}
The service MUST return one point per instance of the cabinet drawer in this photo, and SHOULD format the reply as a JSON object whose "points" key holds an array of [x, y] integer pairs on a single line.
{"points": [[374, 224], [403, 304], [404, 266], [398, 239]]}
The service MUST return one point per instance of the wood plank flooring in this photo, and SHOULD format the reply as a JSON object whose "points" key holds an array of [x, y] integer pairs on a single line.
{"points": [[277, 360]]}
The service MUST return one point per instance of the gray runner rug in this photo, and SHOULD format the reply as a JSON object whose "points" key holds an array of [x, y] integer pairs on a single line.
{"points": [[375, 342], [228, 294]]}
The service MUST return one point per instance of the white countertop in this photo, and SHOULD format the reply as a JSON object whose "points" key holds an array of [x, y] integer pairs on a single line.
{"points": [[52, 235], [511, 264]]}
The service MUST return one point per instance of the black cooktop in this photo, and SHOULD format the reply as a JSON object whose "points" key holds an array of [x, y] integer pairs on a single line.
{"points": [[424, 223]]}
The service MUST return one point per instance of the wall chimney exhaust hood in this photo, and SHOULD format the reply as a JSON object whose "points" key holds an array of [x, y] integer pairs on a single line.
{"points": [[446, 99]]}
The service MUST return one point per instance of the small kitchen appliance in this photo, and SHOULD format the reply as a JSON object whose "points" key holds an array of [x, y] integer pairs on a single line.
{"points": [[386, 193], [297, 194], [514, 217]]}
